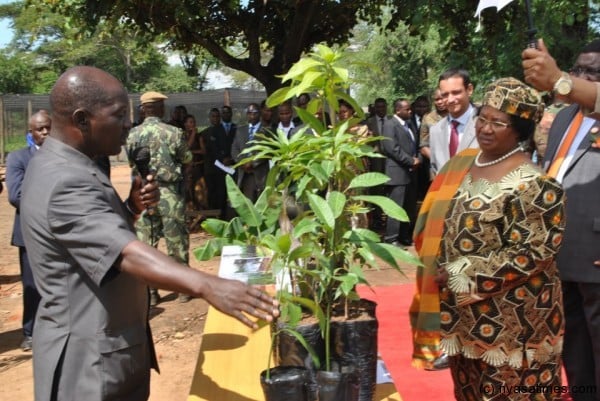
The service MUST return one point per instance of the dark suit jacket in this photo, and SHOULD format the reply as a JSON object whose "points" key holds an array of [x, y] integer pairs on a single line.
{"points": [[582, 185], [260, 167], [16, 164], [218, 146], [400, 149]]}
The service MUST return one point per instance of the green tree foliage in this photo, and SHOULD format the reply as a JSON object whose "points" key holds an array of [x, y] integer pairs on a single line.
{"points": [[16, 74], [432, 36], [172, 79], [495, 50], [395, 64], [44, 46], [286, 29]]}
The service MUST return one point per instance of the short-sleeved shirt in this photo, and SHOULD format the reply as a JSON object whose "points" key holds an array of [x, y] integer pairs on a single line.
{"points": [[91, 329]]}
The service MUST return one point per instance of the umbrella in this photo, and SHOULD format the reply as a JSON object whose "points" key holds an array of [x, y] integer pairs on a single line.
{"points": [[500, 4]]}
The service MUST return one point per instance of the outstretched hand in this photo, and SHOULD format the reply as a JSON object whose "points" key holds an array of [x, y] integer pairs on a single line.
{"points": [[144, 195], [539, 68], [240, 300]]}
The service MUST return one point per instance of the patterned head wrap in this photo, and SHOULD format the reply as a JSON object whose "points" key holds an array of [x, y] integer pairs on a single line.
{"points": [[512, 96]]}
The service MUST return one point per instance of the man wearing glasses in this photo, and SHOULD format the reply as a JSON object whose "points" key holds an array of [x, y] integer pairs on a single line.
{"points": [[574, 160]]}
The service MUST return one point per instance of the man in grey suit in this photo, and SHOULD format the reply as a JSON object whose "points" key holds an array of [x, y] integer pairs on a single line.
{"points": [[375, 123], [252, 176], [403, 160], [579, 173], [92, 338], [456, 132]]}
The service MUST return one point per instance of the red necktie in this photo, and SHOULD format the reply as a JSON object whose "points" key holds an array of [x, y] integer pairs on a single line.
{"points": [[453, 137]]}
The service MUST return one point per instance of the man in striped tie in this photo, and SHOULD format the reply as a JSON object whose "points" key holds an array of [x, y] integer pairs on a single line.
{"points": [[252, 175]]}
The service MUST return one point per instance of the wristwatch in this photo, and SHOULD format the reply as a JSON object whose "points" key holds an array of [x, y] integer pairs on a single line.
{"points": [[564, 85]]}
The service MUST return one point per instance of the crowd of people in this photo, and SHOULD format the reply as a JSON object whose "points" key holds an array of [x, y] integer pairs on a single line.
{"points": [[505, 230]]}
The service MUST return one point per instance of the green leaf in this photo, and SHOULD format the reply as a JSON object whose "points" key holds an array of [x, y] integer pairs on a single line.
{"points": [[326, 53], [307, 82], [278, 97], [242, 205], [390, 207], [284, 243], [301, 252], [360, 235], [215, 227], [305, 226], [300, 68], [391, 254], [209, 249], [368, 180], [343, 76], [322, 210], [310, 120], [337, 202]]}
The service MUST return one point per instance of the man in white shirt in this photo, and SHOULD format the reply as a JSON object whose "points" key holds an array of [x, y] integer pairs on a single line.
{"points": [[285, 118], [456, 132]]}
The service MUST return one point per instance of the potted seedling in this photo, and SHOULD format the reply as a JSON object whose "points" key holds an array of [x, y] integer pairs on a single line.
{"points": [[320, 250]]}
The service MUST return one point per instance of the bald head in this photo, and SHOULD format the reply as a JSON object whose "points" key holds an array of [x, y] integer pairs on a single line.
{"points": [[82, 87], [85, 101]]}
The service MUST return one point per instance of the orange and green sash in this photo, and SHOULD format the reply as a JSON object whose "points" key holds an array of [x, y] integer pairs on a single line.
{"points": [[425, 308]]}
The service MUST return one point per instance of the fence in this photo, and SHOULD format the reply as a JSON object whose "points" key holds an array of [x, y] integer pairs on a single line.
{"points": [[16, 109]]}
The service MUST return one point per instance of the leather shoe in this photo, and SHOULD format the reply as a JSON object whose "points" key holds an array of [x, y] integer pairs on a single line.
{"points": [[183, 298], [440, 363], [154, 297], [27, 343]]}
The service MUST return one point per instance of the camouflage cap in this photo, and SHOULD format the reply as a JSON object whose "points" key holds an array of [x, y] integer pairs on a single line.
{"points": [[512, 96], [151, 97]]}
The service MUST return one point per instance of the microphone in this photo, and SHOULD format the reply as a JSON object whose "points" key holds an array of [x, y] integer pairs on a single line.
{"points": [[141, 159]]}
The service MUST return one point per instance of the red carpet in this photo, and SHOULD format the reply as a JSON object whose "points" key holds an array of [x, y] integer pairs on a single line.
{"points": [[395, 346]]}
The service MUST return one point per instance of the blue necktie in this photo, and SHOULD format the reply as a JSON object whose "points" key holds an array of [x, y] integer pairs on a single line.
{"points": [[251, 129]]}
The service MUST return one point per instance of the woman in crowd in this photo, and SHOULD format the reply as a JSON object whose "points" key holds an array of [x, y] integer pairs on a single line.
{"points": [[487, 234], [194, 184]]}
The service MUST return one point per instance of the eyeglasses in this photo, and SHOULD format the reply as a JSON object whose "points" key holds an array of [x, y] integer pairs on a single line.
{"points": [[576, 70], [496, 125]]}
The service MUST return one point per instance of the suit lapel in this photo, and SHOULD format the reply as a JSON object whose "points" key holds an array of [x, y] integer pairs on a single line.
{"points": [[584, 146], [468, 136], [557, 131]]}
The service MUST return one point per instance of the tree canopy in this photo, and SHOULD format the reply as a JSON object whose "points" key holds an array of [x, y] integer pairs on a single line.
{"points": [[271, 35], [400, 46]]}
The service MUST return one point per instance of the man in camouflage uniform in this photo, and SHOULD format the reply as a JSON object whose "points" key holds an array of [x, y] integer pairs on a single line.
{"points": [[169, 155]]}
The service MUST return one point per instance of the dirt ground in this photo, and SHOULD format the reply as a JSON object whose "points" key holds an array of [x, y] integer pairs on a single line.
{"points": [[177, 328]]}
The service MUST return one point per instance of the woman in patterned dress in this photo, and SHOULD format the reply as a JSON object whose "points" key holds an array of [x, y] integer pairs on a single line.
{"points": [[501, 307]]}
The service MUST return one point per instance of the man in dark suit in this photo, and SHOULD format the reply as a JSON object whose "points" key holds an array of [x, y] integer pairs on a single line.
{"points": [[16, 165], [402, 163], [578, 170], [217, 142], [252, 176]]}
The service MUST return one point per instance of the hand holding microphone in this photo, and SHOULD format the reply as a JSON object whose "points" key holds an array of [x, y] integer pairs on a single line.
{"points": [[144, 190]]}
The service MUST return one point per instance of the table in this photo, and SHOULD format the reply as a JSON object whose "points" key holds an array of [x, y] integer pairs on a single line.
{"points": [[231, 359]]}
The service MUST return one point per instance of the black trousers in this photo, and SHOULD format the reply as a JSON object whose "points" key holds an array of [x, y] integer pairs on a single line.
{"points": [[406, 197], [31, 297], [581, 348]]}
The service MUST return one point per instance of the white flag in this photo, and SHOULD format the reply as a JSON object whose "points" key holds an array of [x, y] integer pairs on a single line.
{"points": [[483, 4]]}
